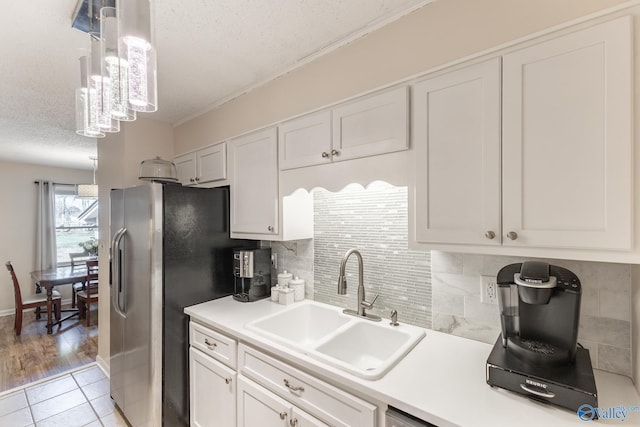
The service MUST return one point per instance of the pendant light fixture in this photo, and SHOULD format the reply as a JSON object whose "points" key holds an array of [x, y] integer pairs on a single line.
{"points": [[100, 85], [86, 121], [119, 76], [136, 47], [114, 67], [89, 190]]}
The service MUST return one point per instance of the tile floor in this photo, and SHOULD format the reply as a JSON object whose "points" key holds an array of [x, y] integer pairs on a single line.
{"points": [[75, 399]]}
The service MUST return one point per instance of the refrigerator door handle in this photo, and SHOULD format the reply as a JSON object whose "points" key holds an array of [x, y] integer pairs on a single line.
{"points": [[116, 273]]}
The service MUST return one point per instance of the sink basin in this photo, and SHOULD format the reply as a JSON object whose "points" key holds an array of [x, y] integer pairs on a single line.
{"points": [[303, 324], [355, 345], [369, 350]]}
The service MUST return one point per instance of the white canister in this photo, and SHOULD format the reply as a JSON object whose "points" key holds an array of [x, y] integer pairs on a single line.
{"points": [[285, 296], [297, 285], [284, 278], [275, 290]]}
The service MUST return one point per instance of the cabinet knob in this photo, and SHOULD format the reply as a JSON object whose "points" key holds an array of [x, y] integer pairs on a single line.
{"points": [[325, 155], [490, 235], [270, 228], [227, 380], [512, 235], [283, 415], [293, 422], [335, 152], [192, 180], [197, 179]]}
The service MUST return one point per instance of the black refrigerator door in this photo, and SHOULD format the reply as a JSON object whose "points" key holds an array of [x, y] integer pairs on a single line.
{"points": [[198, 267]]}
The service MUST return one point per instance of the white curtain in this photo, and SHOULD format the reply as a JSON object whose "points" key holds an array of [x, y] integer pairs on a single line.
{"points": [[46, 227]]}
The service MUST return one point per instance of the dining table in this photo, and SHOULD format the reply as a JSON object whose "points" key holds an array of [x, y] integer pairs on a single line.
{"points": [[52, 277]]}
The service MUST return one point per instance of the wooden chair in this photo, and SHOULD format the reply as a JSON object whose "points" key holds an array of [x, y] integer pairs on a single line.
{"points": [[89, 295], [77, 258], [30, 301]]}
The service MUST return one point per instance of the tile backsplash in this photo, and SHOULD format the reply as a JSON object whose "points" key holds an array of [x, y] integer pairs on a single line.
{"points": [[439, 290]]}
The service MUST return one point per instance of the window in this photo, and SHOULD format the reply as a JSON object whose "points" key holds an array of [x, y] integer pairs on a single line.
{"points": [[76, 221]]}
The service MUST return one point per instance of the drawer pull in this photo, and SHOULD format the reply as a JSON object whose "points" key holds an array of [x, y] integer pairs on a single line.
{"points": [[283, 415], [212, 346], [292, 388], [227, 380]]}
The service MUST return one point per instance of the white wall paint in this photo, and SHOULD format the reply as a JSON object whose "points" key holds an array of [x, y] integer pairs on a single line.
{"points": [[18, 218]]}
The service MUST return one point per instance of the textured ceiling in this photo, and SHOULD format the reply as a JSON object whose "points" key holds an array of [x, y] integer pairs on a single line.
{"points": [[208, 51]]}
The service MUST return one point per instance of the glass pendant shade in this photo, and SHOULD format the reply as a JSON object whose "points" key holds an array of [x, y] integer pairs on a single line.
{"points": [[89, 190], [86, 122], [101, 86], [136, 48], [114, 67]]}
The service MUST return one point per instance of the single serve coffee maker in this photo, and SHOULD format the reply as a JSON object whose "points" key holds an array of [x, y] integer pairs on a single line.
{"points": [[537, 354], [252, 274]]}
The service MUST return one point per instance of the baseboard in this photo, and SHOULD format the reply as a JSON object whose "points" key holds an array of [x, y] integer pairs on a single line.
{"points": [[103, 365], [11, 311]]}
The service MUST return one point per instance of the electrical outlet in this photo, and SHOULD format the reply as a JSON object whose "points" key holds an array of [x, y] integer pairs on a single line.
{"points": [[274, 261], [489, 290]]}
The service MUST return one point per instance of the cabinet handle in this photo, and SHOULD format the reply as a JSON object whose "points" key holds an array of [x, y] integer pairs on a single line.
{"points": [[489, 235], [283, 415], [227, 380], [512, 235], [270, 228], [335, 152], [211, 346], [293, 422], [325, 155], [292, 388]]}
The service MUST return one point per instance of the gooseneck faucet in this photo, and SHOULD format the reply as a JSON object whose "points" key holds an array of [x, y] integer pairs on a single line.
{"points": [[342, 287]]}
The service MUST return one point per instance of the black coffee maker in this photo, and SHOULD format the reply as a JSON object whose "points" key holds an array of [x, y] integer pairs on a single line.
{"points": [[537, 354]]}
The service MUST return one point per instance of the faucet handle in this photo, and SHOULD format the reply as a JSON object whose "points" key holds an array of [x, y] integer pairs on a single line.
{"points": [[394, 318], [367, 304]]}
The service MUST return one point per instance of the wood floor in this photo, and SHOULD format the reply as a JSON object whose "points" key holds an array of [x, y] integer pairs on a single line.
{"points": [[34, 355]]}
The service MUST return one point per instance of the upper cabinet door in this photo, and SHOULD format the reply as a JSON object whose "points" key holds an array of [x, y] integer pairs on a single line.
{"points": [[254, 173], [186, 168], [567, 140], [212, 163], [372, 125], [456, 128], [305, 141]]}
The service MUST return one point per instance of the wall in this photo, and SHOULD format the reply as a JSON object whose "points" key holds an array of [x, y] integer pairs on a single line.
{"points": [[120, 155], [436, 34], [18, 218]]}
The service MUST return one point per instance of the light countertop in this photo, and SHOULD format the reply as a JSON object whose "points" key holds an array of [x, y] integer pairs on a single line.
{"points": [[442, 380]]}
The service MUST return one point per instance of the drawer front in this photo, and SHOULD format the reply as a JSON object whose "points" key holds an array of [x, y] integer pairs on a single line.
{"points": [[320, 399], [218, 346]]}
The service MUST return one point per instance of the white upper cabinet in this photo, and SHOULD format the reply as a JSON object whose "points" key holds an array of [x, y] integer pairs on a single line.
{"points": [[371, 125], [567, 143], [367, 126], [253, 161], [550, 170], [305, 141], [457, 129], [202, 166]]}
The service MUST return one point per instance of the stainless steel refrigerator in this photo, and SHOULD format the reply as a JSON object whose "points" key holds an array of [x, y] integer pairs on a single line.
{"points": [[170, 248]]}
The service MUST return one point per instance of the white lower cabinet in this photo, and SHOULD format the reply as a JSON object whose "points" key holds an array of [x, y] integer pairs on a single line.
{"points": [[213, 391], [253, 389], [258, 407], [305, 392]]}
